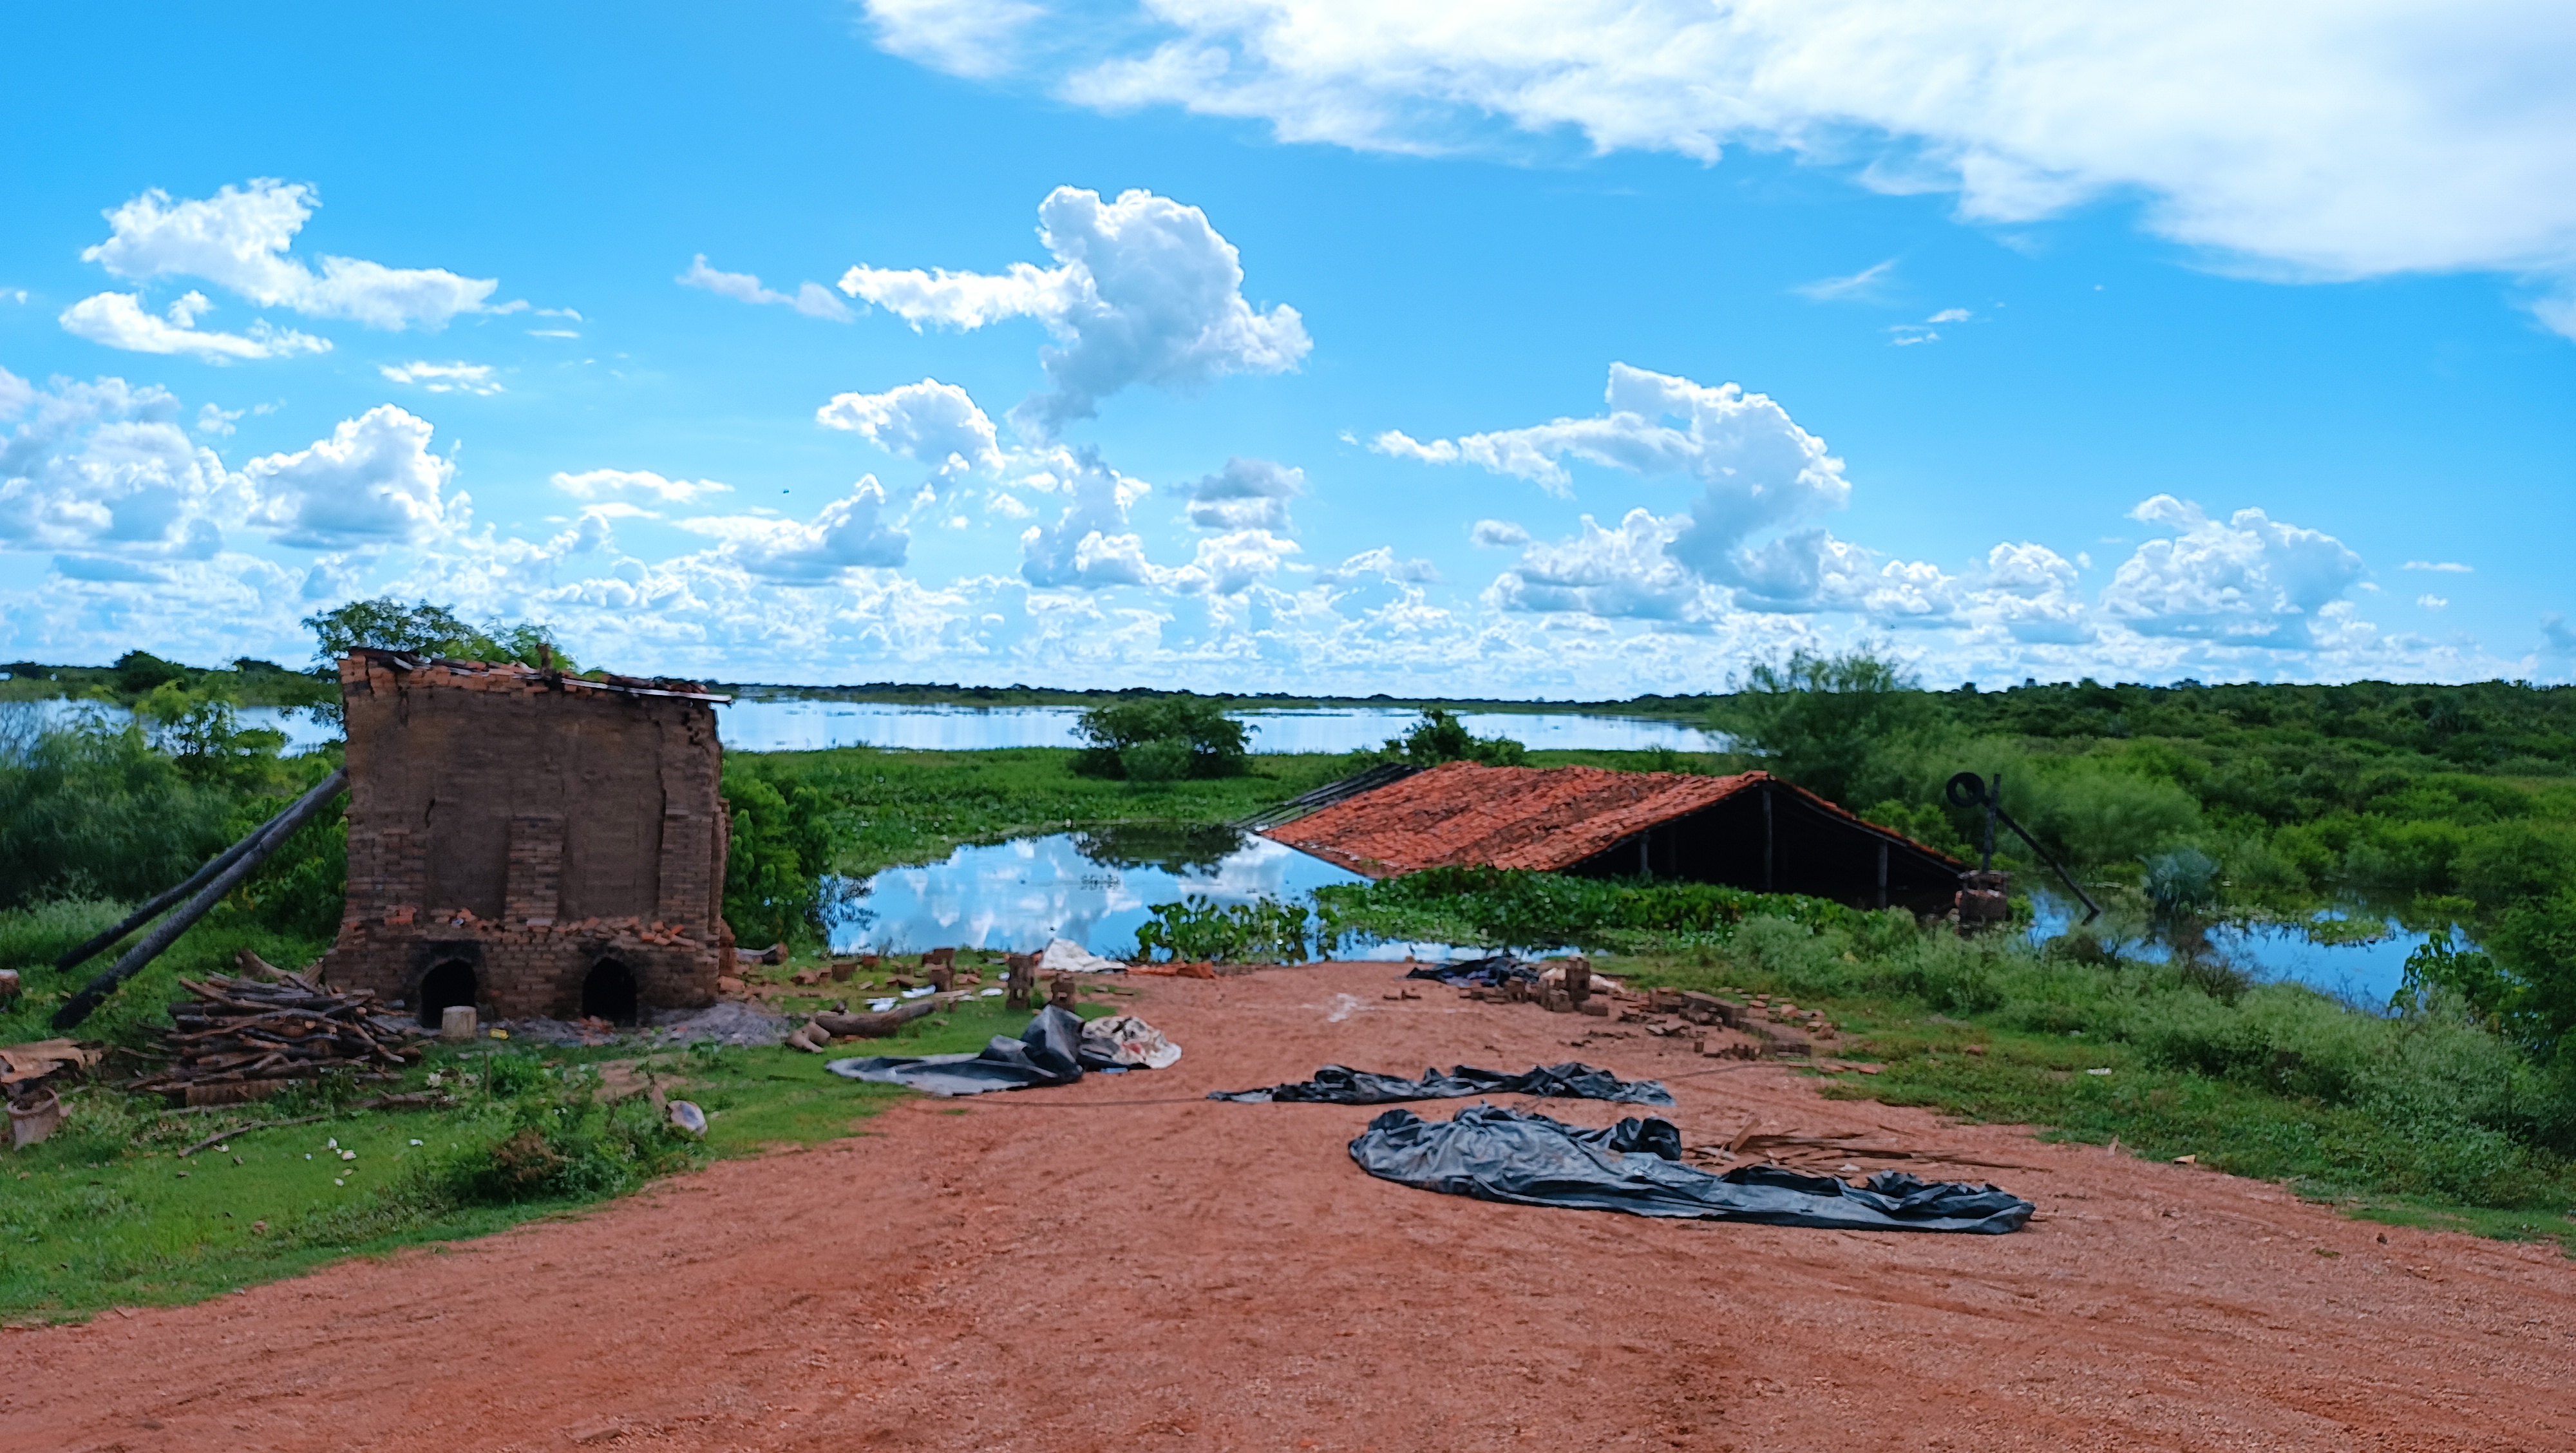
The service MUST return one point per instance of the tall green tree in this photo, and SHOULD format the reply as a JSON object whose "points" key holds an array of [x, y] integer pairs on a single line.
{"points": [[424, 629], [1834, 725], [429, 630]]}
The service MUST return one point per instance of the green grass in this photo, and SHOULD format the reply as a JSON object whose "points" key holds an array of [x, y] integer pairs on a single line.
{"points": [[2425, 1121], [106, 1214]]}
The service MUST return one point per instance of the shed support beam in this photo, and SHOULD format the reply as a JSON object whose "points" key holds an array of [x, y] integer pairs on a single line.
{"points": [[1766, 837], [1882, 873]]}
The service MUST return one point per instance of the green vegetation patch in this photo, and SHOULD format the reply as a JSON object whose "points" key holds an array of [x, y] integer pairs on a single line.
{"points": [[2425, 1113], [1511, 908], [106, 1213]]}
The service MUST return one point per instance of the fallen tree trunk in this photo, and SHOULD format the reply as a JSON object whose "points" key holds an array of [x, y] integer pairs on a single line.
{"points": [[876, 1026], [264, 842]]}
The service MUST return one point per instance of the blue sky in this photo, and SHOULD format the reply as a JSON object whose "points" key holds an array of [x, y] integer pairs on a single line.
{"points": [[1561, 354]]}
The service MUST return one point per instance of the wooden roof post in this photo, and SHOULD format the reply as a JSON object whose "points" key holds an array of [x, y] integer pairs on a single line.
{"points": [[1766, 837]]}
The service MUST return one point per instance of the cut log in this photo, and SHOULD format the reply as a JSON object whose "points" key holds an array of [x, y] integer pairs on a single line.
{"points": [[875, 1026]]}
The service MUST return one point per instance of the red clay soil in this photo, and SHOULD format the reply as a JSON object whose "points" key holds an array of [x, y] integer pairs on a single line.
{"points": [[1121, 1264]]}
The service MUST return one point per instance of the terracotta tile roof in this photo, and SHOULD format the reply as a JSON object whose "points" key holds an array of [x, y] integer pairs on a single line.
{"points": [[1547, 819]]}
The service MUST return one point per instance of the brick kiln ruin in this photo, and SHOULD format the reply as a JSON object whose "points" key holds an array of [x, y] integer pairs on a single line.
{"points": [[530, 842]]}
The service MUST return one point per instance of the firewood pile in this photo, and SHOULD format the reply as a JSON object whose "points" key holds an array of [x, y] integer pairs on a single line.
{"points": [[282, 1026]]}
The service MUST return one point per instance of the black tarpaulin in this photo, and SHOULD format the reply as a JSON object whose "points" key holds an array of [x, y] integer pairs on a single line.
{"points": [[1342, 1085], [1495, 1154], [1048, 1052], [1485, 973]]}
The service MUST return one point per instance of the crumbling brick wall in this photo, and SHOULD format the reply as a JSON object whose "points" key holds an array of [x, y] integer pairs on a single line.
{"points": [[529, 826]]}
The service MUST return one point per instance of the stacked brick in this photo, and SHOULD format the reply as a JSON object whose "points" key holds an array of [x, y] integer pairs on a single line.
{"points": [[526, 828]]}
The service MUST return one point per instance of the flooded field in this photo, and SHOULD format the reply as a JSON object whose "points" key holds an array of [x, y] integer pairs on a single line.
{"points": [[804, 726], [1095, 888], [2355, 952]]}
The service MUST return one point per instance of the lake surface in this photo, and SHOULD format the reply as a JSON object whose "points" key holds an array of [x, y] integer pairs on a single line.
{"points": [[2365, 975], [303, 733], [804, 726]]}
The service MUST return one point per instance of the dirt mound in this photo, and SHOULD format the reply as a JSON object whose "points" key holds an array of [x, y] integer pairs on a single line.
{"points": [[1123, 1262]]}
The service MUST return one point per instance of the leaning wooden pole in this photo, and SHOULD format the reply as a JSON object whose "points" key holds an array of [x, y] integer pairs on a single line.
{"points": [[153, 909], [262, 843]]}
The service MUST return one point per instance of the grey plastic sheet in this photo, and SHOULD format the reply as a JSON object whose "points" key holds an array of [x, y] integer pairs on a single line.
{"points": [[1048, 1052], [1497, 1154], [1342, 1085]]}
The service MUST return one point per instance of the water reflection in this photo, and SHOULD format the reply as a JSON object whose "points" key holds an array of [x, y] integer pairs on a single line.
{"points": [[804, 726], [303, 733], [1094, 888], [2360, 958]]}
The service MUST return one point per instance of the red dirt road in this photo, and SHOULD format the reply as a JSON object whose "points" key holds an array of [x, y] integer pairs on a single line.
{"points": [[1123, 1265]]}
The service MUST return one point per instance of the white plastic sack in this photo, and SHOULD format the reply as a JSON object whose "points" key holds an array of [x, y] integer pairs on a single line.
{"points": [[1064, 956], [1127, 1040]]}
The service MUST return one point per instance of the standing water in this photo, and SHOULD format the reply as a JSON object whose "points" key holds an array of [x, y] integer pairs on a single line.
{"points": [[1094, 888], [804, 726], [2353, 953]]}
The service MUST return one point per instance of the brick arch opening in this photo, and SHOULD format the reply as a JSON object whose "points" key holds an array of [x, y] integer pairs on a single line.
{"points": [[609, 992], [448, 982]]}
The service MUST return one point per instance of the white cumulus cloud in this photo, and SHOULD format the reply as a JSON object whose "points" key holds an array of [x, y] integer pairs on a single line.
{"points": [[1623, 573], [106, 468], [1229, 564], [117, 320], [936, 423], [1497, 535], [811, 299], [1089, 544], [2332, 141], [847, 534], [2247, 579], [1144, 291], [1248, 494], [373, 482], [962, 37], [238, 240]]}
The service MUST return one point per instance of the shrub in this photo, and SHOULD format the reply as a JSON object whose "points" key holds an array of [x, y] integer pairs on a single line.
{"points": [[1195, 731], [1268, 931], [1439, 737], [88, 808], [782, 846], [1164, 759], [2184, 881]]}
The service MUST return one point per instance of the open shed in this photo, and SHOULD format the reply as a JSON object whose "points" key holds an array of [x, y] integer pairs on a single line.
{"points": [[1748, 831]]}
